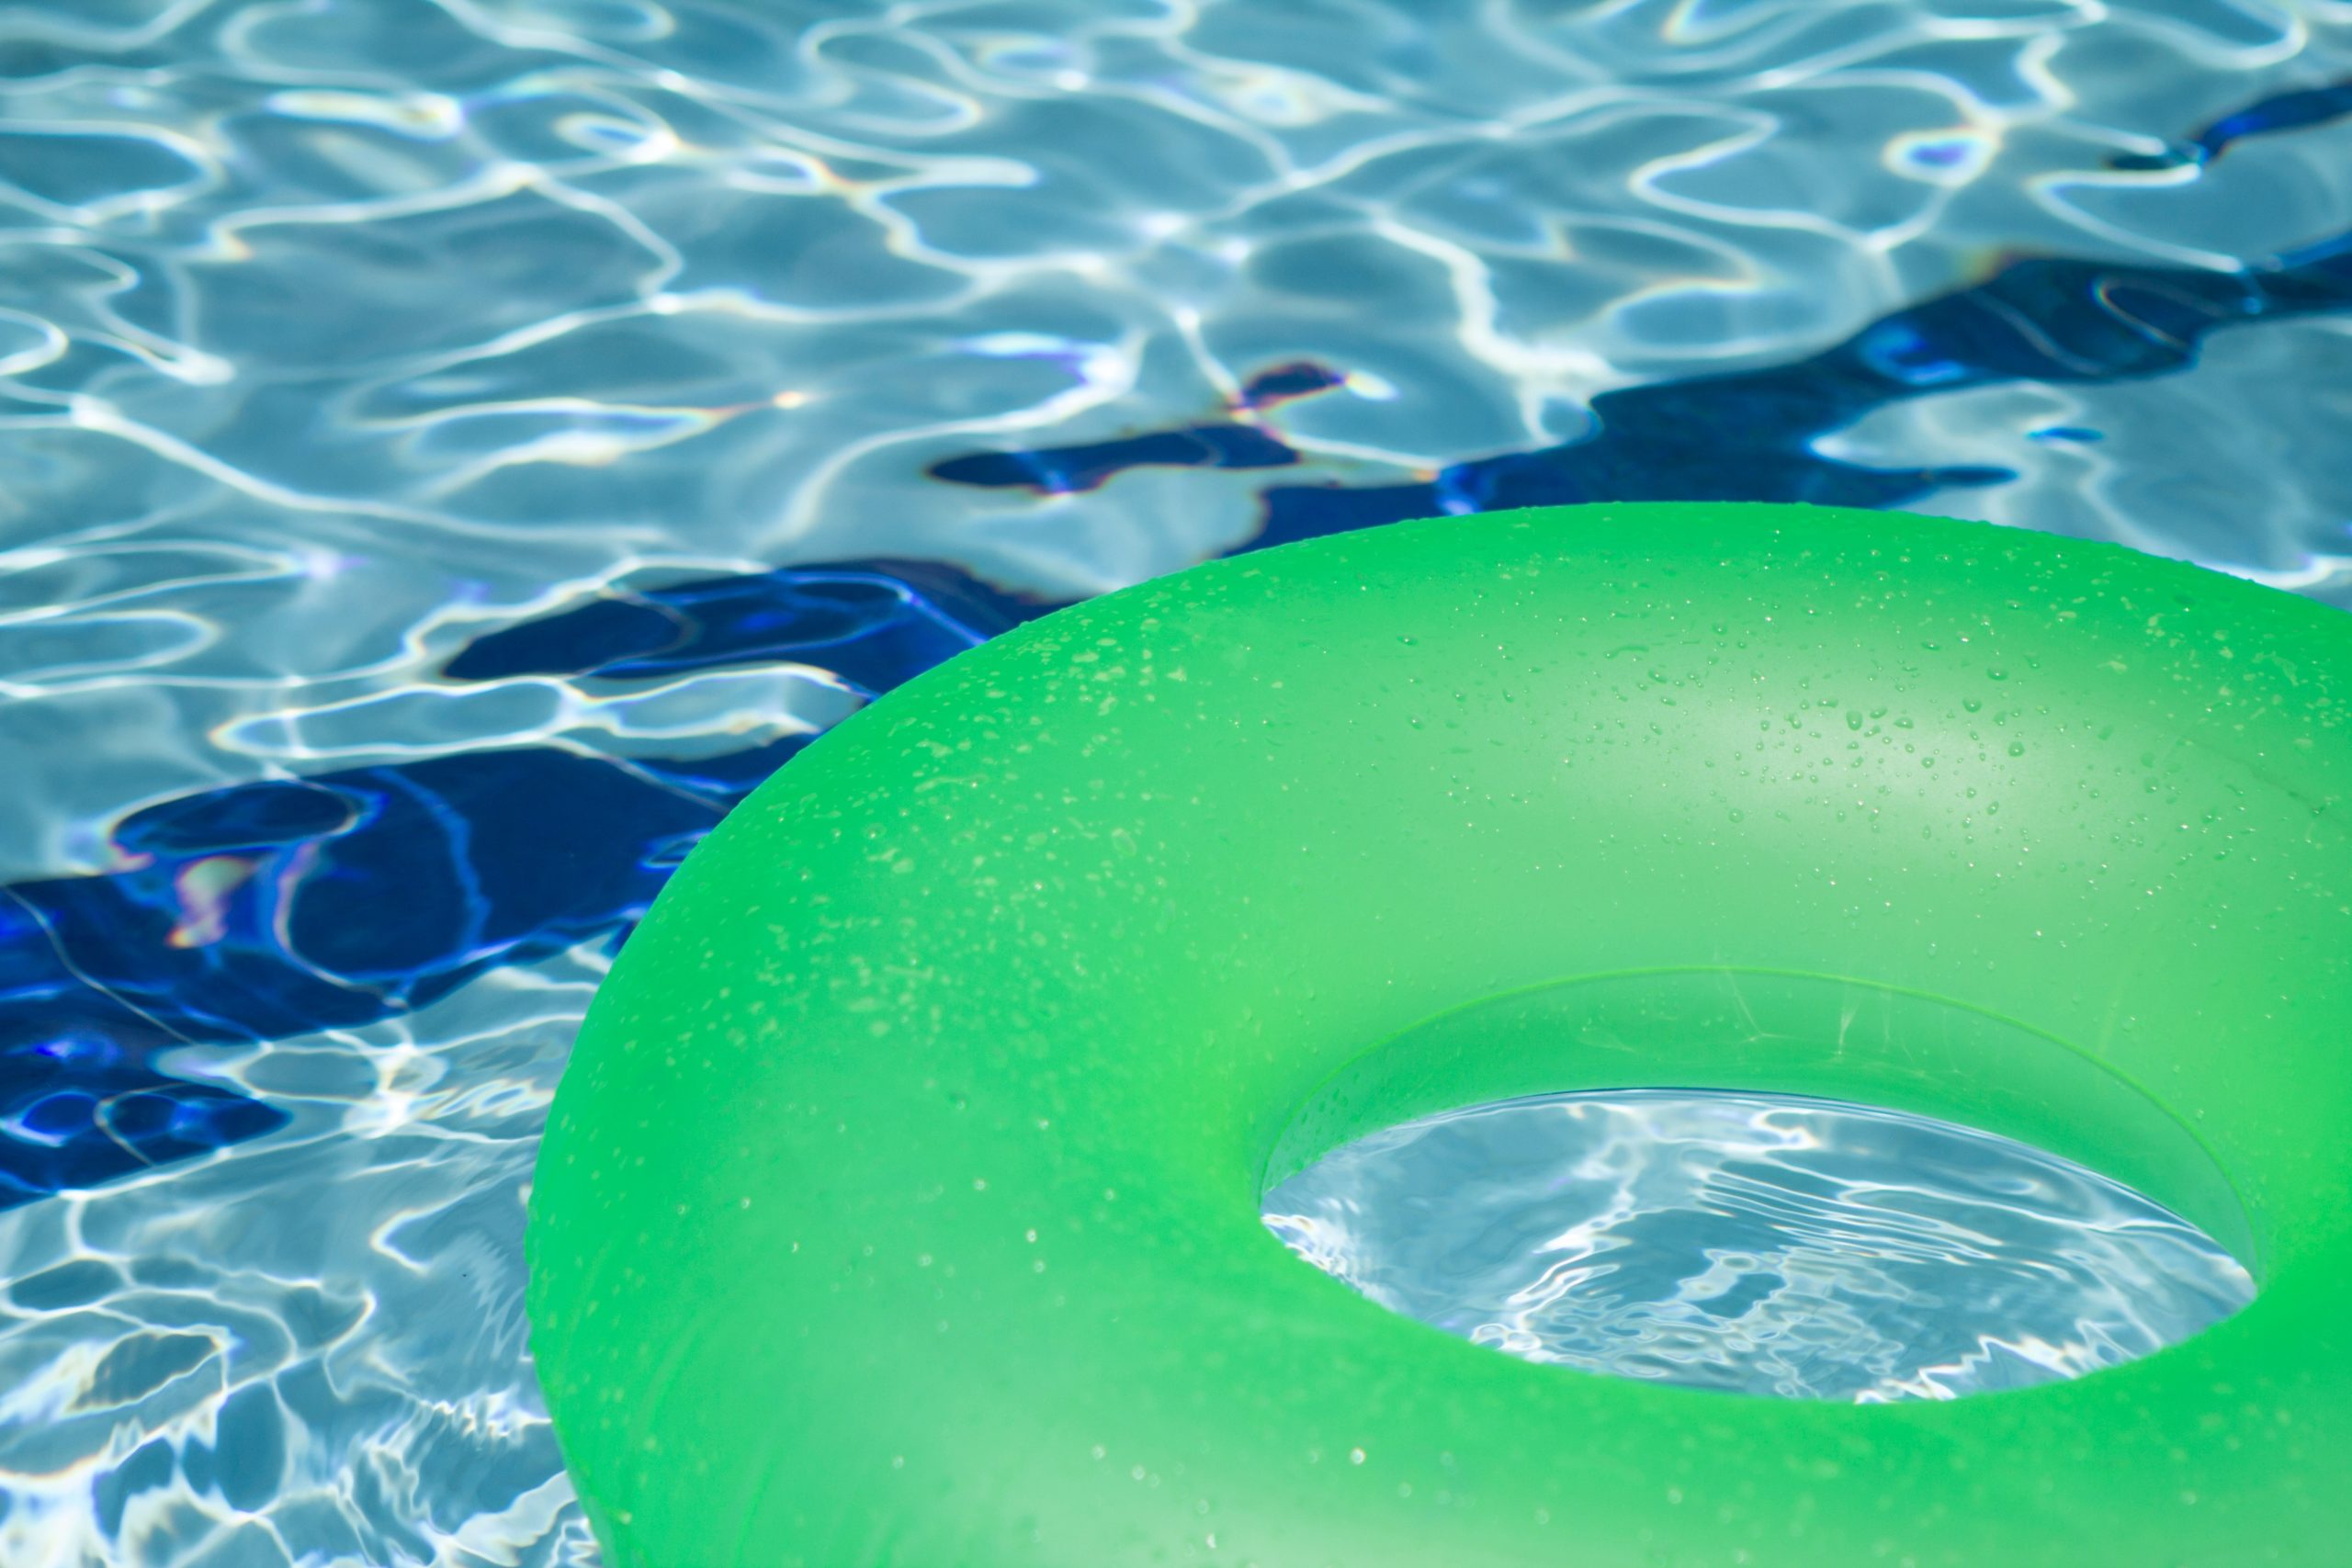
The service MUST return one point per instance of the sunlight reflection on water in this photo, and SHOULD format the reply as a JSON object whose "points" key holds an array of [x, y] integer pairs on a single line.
{"points": [[336, 336]]}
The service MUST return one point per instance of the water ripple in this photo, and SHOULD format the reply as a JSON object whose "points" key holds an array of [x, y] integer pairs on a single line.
{"points": [[417, 412], [1799, 1248]]}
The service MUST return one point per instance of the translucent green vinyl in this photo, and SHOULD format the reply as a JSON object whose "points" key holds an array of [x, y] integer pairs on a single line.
{"points": [[899, 1206]]}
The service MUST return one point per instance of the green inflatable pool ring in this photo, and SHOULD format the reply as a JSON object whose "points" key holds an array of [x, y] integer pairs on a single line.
{"points": [[900, 1204]]}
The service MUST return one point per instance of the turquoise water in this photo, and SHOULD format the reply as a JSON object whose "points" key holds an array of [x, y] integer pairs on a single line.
{"points": [[420, 424], [1797, 1248]]}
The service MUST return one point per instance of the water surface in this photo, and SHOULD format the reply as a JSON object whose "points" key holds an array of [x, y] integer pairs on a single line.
{"points": [[450, 450], [1802, 1248]]}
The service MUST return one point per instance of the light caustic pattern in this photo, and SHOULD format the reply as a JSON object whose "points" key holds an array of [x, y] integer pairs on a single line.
{"points": [[1799, 1248], [337, 333]]}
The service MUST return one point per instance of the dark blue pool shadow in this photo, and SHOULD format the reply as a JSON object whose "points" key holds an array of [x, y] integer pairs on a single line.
{"points": [[275, 909], [2297, 110], [269, 910]]}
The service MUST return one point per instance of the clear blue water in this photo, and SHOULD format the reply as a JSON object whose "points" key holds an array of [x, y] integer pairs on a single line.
{"points": [[450, 451], [1797, 1248]]}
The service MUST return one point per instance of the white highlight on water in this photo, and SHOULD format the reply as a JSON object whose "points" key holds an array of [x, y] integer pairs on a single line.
{"points": [[1803, 1248]]}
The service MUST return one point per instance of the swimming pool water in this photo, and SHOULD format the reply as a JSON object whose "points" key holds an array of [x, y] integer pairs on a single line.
{"points": [[1792, 1247], [450, 450]]}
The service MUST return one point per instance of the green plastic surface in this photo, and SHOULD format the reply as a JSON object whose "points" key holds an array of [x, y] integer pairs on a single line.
{"points": [[901, 1203]]}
